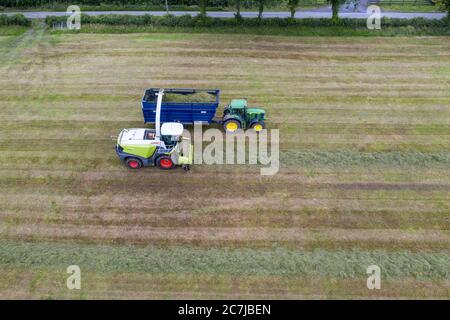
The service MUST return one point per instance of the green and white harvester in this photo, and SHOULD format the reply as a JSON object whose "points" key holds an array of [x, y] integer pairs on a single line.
{"points": [[164, 146]]}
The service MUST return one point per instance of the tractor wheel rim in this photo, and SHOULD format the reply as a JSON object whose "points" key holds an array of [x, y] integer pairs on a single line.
{"points": [[134, 164], [257, 127], [232, 126], [166, 163]]}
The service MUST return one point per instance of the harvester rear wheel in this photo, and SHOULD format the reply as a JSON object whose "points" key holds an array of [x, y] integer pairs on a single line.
{"points": [[165, 163], [133, 163]]}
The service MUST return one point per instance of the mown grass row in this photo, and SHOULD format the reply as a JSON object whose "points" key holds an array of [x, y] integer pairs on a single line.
{"points": [[51, 284], [417, 241], [12, 129], [61, 185], [311, 142], [73, 155], [351, 158], [401, 219], [278, 261], [296, 100]]}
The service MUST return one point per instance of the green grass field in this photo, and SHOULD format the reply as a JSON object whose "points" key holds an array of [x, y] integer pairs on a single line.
{"points": [[410, 7], [364, 178]]}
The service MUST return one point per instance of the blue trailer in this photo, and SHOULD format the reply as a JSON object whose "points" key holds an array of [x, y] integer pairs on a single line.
{"points": [[187, 111], [183, 112]]}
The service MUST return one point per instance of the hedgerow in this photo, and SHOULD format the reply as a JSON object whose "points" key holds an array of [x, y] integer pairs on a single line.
{"points": [[16, 19], [210, 22]]}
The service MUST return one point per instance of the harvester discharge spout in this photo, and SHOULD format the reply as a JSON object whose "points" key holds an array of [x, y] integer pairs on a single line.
{"points": [[160, 95]]}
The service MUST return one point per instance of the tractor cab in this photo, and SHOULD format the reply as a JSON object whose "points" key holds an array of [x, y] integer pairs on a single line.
{"points": [[237, 107], [237, 115]]}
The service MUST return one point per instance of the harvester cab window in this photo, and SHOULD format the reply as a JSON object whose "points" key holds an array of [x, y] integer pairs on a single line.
{"points": [[170, 141], [150, 135]]}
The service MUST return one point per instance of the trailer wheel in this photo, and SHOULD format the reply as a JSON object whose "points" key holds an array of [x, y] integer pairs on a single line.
{"points": [[133, 163], [258, 126], [165, 163], [231, 125]]}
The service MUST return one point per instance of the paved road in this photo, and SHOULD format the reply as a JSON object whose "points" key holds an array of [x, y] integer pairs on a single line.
{"points": [[301, 14]]}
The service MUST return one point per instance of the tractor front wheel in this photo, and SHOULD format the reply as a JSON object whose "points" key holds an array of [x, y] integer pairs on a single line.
{"points": [[258, 126], [165, 163], [133, 163], [231, 125]]}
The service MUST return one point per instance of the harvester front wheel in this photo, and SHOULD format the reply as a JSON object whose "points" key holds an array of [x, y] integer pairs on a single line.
{"points": [[165, 163], [133, 163], [231, 125], [258, 126]]}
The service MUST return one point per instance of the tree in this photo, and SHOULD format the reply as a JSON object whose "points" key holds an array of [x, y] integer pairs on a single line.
{"points": [[167, 7], [261, 4], [202, 4], [444, 5], [335, 4], [238, 9], [293, 4]]}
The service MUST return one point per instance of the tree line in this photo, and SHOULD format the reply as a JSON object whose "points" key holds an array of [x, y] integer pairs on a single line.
{"points": [[292, 5], [203, 5]]}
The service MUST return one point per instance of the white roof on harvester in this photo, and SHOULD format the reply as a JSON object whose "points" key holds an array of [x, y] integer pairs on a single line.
{"points": [[172, 129], [133, 134]]}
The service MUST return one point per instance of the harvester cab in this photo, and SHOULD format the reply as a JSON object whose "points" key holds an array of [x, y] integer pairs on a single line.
{"points": [[171, 133], [237, 115], [164, 146]]}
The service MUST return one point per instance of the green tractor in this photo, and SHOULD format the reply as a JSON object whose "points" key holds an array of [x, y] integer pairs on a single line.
{"points": [[238, 116]]}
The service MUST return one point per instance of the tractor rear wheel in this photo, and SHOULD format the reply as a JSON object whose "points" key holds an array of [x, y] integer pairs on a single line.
{"points": [[133, 163], [258, 126], [165, 163], [231, 125]]}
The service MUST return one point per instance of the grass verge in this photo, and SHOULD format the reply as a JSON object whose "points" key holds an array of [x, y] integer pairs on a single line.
{"points": [[275, 31], [12, 30], [272, 26], [409, 7]]}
